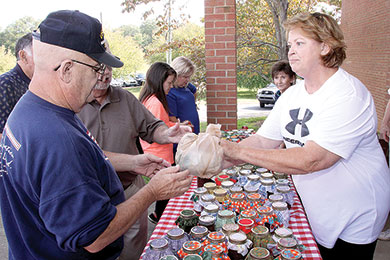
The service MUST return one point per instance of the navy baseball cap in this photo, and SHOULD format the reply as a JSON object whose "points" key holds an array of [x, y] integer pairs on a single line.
{"points": [[76, 31]]}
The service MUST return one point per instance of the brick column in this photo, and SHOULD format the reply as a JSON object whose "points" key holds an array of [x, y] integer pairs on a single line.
{"points": [[221, 58]]}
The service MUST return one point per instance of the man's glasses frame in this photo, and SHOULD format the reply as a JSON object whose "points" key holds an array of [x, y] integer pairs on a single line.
{"points": [[100, 68]]}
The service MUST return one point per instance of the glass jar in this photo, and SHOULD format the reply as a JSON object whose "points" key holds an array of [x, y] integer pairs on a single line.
{"points": [[282, 232], [187, 219], [287, 194], [176, 238], [282, 212], [190, 247], [229, 229], [237, 202], [279, 175], [208, 221], [267, 217], [260, 236], [290, 254], [196, 198], [192, 257], [273, 198], [282, 182], [210, 187], [220, 178], [267, 187], [238, 246], [226, 185], [199, 233], [287, 243], [221, 195], [233, 174], [208, 199], [243, 177], [157, 249], [236, 189], [248, 167], [169, 257], [250, 189], [254, 200], [254, 179], [224, 217], [248, 213], [210, 209], [246, 224], [216, 238], [258, 253], [261, 170], [215, 250]]}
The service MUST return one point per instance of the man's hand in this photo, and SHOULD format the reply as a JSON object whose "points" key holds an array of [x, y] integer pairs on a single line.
{"points": [[148, 164], [169, 183], [384, 132], [176, 132]]}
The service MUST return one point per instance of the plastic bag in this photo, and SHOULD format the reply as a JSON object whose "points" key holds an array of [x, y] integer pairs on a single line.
{"points": [[201, 154]]}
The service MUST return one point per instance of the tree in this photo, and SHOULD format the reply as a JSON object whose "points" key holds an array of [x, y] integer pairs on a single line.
{"points": [[14, 31], [7, 60]]}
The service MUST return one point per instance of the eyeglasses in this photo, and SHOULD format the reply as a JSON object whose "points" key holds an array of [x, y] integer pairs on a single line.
{"points": [[100, 68]]}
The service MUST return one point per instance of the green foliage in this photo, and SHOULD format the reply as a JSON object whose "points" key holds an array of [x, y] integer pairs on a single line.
{"points": [[134, 90], [16, 30], [7, 60], [251, 123]]}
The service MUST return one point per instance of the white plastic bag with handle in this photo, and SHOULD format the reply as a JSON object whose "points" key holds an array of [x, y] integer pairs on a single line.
{"points": [[201, 154]]}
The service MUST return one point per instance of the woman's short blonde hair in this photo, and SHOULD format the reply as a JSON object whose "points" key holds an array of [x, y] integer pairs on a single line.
{"points": [[324, 29], [183, 66]]}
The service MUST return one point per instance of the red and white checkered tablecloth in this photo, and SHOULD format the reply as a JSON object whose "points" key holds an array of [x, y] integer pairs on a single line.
{"points": [[298, 222]]}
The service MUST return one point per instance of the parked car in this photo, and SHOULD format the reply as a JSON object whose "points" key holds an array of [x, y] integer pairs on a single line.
{"points": [[140, 78], [117, 83], [130, 82], [267, 95]]}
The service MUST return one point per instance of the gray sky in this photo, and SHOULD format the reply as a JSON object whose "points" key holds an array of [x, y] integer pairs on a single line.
{"points": [[13, 10]]}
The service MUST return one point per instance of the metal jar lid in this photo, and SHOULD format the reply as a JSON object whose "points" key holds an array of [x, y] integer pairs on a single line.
{"points": [[191, 247], [283, 189], [258, 253], [254, 177], [168, 257], [287, 242], [238, 238], [245, 172], [211, 208], [267, 182], [210, 185], [227, 184], [261, 170], [236, 189], [231, 172], [279, 205], [187, 213], [280, 175], [199, 231], [248, 167], [159, 244], [175, 233], [206, 220], [192, 257], [266, 175], [230, 228], [225, 213], [283, 232], [220, 192], [200, 190], [207, 197], [282, 182], [275, 197], [251, 189]]}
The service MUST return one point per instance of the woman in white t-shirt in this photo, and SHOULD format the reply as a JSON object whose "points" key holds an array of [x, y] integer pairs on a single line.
{"points": [[328, 123]]}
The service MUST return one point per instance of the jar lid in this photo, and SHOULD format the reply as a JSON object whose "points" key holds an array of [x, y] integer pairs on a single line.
{"points": [[223, 177], [187, 213], [168, 257], [208, 197], [231, 172], [159, 244], [264, 210], [212, 208], [282, 182], [259, 253], [227, 184], [245, 172], [225, 213], [238, 238], [267, 175], [200, 190], [261, 170], [230, 227], [254, 177], [251, 188], [287, 242], [275, 197], [283, 188], [248, 166], [220, 192], [260, 230], [279, 205], [254, 196], [216, 236], [280, 175], [192, 257], [216, 250], [207, 220], [199, 231], [249, 213], [267, 182], [210, 185], [175, 233], [236, 189], [290, 254], [192, 245], [237, 196], [283, 232], [246, 222]]}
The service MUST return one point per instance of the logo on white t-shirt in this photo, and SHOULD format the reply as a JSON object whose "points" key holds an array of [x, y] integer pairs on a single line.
{"points": [[294, 113]]}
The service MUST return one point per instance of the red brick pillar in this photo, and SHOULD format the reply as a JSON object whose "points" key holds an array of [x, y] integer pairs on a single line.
{"points": [[221, 58]]}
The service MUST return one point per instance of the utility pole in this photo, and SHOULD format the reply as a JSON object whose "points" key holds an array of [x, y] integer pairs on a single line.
{"points": [[169, 40]]}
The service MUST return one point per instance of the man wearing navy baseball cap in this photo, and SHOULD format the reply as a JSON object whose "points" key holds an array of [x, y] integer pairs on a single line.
{"points": [[60, 195]]}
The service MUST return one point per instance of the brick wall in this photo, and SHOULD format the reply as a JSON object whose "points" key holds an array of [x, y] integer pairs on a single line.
{"points": [[221, 78], [366, 27]]}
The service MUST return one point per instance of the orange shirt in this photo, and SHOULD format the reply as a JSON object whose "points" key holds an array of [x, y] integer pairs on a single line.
{"points": [[164, 151]]}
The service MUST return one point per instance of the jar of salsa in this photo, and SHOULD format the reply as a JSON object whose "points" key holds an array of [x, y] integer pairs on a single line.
{"points": [[238, 246], [224, 217]]}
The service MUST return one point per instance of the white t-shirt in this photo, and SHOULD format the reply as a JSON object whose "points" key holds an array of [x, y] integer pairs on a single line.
{"points": [[351, 199]]}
